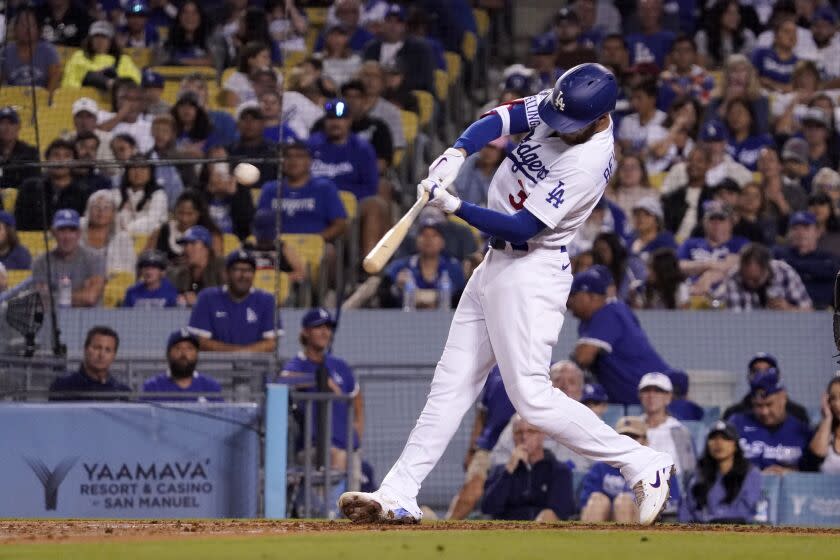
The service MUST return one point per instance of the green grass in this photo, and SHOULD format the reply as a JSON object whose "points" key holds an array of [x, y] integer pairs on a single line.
{"points": [[484, 545]]}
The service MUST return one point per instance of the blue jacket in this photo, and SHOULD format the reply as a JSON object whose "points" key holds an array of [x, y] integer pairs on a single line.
{"points": [[742, 508]]}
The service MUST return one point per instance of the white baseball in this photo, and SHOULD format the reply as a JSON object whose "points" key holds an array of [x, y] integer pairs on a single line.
{"points": [[246, 174]]}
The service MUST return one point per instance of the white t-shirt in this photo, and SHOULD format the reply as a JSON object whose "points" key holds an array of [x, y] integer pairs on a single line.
{"points": [[299, 113], [661, 438], [831, 463], [141, 130], [638, 134]]}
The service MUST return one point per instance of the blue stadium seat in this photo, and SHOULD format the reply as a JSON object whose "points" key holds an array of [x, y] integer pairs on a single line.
{"points": [[577, 483], [810, 499], [711, 414], [770, 488], [613, 413], [634, 409], [698, 429], [814, 415]]}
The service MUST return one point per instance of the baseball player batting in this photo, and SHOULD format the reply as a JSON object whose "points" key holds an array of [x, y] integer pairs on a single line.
{"points": [[512, 309]]}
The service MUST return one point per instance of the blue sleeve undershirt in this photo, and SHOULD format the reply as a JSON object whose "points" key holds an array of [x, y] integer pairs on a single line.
{"points": [[516, 228], [489, 127]]}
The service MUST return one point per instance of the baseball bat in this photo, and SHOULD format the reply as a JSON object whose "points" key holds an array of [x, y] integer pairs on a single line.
{"points": [[383, 251]]}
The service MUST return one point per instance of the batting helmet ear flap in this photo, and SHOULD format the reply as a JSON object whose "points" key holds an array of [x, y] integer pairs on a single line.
{"points": [[581, 96]]}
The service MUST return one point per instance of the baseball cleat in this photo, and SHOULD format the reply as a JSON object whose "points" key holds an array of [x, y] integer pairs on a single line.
{"points": [[652, 493], [376, 507]]}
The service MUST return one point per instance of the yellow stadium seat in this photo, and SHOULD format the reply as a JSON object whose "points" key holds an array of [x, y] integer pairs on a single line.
{"points": [[351, 204], [230, 243], [426, 104], [9, 199], [310, 248], [656, 180], [399, 156], [255, 195], [20, 97], [756, 177], [34, 241], [316, 16], [227, 73], [142, 56], [115, 287], [482, 21], [63, 98], [311, 38], [64, 53], [179, 72], [293, 58], [453, 66], [409, 122], [264, 279], [15, 277], [469, 45], [475, 231], [170, 92], [140, 241], [441, 84]]}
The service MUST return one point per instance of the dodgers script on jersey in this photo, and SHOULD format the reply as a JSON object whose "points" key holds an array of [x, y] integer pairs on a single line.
{"points": [[558, 183]]}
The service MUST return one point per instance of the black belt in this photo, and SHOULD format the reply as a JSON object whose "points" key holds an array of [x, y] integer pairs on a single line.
{"points": [[501, 245]]}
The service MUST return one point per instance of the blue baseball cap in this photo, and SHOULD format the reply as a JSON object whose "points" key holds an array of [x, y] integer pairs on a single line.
{"points": [[825, 13], [241, 256], [543, 44], [802, 218], [595, 280], [317, 317], [7, 219], [9, 112], [763, 357], [397, 11], [518, 82], [152, 258], [679, 380], [337, 108], [66, 218], [181, 335], [196, 233], [724, 428], [595, 393], [136, 8], [151, 79], [766, 383], [713, 131]]}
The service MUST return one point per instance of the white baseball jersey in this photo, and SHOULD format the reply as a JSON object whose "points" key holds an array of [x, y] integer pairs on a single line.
{"points": [[558, 183]]}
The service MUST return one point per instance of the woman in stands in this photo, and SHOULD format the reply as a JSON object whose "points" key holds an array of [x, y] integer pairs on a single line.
{"points": [[826, 443], [99, 62], [190, 210], [194, 130], [744, 143], [631, 183], [727, 32], [627, 271], [740, 79], [13, 255], [29, 60], [142, 204], [340, 62], [102, 235], [239, 86], [665, 286], [671, 142], [189, 38], [726, 487]]}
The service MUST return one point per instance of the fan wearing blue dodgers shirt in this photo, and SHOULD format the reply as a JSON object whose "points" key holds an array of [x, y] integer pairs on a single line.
{"points": [[611, 342], [153, 289], [775, 64], [235, 317], [181, 378], [513, 306]]}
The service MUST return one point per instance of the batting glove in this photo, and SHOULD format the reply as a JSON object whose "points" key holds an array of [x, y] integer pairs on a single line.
{"points": [[438, 196], [445, 168]]}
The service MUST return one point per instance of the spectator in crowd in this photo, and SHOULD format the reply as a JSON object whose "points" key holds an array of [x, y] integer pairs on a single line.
{"points": [[631, 183], [783, 195], [753, 218], [339, 61], [680, 406], [84, 269], [248, 24], [195, 131], [649, 234], [744, 143], [818, 133], [796, 168], [151, 84], [276, 129], [200, 268], [87, 147], [137, 31], [651, 43], [672, 141], [595, 397], [611, 342], [373, 80], [252, 143], [94, 373], [223, 125], [740, 79], [825, 442], [85, 117], [665, 286], [99, 62], [664, 432], [708, 259], [726, 487], [772, 440], [614, 54], [238, 88], [827, 181], [533, 485], [775, 64], [685, 78], [264, 247], [350, 162], [473, 181], [124, 147], [459, 240], [235, 317], [230, 204], [287, 25], [142, 206], [190, 210], [102, 236], [309, 205], [348, 13], [315, 360], [396, 90], [762, 362], [627, 270], [681, 207], [395, 47], [171, 178], [725, 33], [493, 413], [189, 39], [30, 60], [828, 222], [63, 22], [13, 255], [825, 44], [571, 51], [788, 108], [762, 282], [181, 377], [635, 130], [605, 494], [422, 276], [14, 150], [58, 188], [152, 290], [597, 19], [816, 268], [128, 116]]}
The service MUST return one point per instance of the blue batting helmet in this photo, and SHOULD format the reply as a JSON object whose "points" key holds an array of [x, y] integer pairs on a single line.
{"points": [[581, 95]]}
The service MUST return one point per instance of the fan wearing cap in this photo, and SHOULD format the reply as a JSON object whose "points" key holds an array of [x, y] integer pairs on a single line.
{"points": [[317, 327], [772, 440], [762, 362], [595, 397], [604, 493], [181, 378], [138, 31], [63, 22], [425, 270], [252, 143], [200, 268], [85, 118], [14, 150], [85, 269], [153, 103], [13, 255], [152, 290], [571, 50], [649, 234], [726, 487], [611, 342], [664, 432], [816, 267], [818, 133], [542, 60], [235, 317], [29, 60], [99, 62], [680, 406], [762, 282]]}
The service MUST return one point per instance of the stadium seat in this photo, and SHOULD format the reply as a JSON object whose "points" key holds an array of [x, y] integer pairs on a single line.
{"points": [[441, 85], [230, 243], [811, 499], [115, 287], [711, 414], [9, 197], [255, 195], [453, 66], [15, 277], [770, 490], [656, 180], [20, 97], [264, 280], [140, 241], [180, 72], [756, 176], [63, 98], [170, 91], [426, 104], [351, 204], [293, 58], [310, 249], [64, 53], [399, 156], [34, 241], [227, 73], [482, 21], [698, 429], [469, 46], [316, 16], [409, 122], [142, 56], [477, 235]]}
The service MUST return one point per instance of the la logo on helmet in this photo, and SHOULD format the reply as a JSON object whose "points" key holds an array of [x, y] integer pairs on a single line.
{"points": [[559, 104]]}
